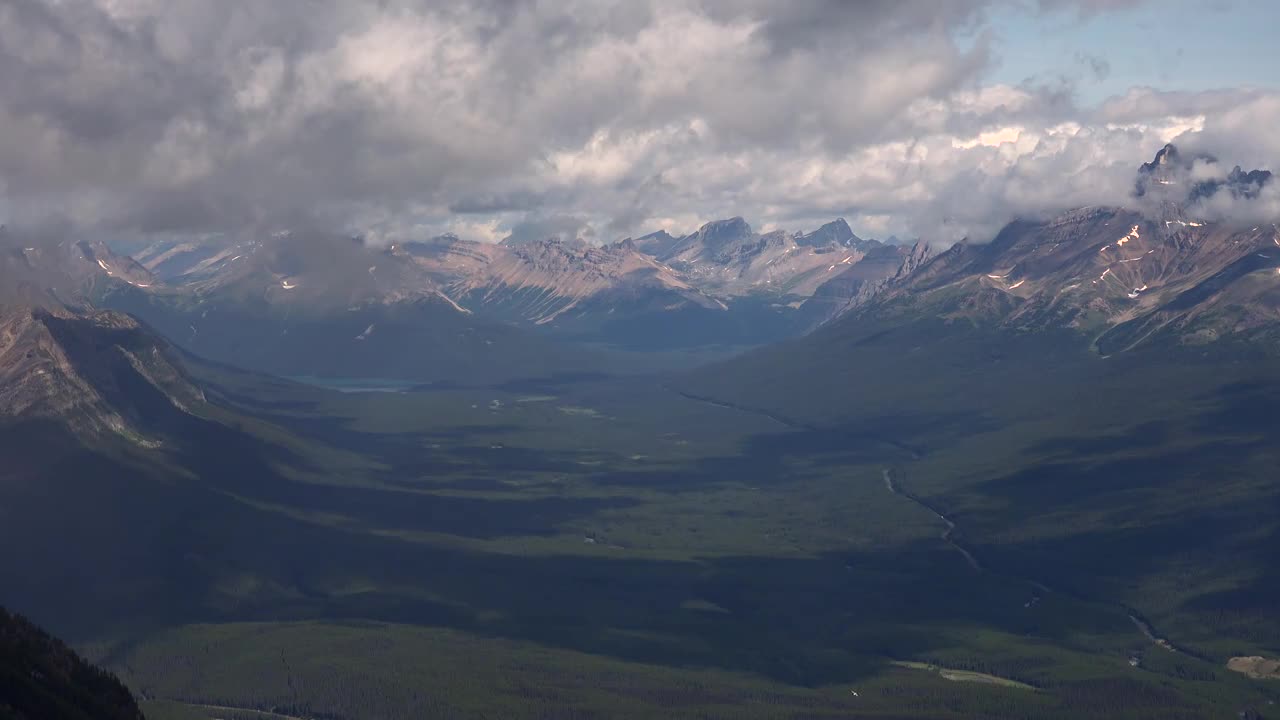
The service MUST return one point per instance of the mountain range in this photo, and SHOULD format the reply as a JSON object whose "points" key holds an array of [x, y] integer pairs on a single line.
{"points": [[1099, 282], [1062, 437], [450, 310]]}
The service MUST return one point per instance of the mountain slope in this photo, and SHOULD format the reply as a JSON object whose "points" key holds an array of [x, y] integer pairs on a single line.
{"points": [[123, 267], [1088, 400], [620, 295], [856, 284], [1096, 281], [97, 373], [546, 281], [1157, 273], [330, 306], [53, 272], [1110, 274], [727, 258], [655, 244], [43, 679], [317, 305], [723, 286]]}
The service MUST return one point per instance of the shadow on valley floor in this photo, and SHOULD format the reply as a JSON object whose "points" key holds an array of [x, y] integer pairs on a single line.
{"points": [[466, 451], [1146, 435], [773, 458], [1244, 407], [235, 538], [1141, 505], [802, 621], [208, 549]]}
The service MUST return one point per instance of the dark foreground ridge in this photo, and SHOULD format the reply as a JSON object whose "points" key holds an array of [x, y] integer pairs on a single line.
{"points": [[43, 679]]}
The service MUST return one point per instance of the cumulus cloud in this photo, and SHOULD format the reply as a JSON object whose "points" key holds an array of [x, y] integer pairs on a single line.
{"points": [[492, 118]]}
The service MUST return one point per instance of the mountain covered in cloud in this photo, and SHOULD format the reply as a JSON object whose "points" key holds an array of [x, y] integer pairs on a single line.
{"points": [[1052, 307], [275, 302], [318, 304], [1188, 179], [1114, 279], [53, 272], [730, 258], [722, 285]]}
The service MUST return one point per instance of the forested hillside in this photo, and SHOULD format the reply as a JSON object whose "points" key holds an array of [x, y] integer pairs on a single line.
{"points": [[43, 679]]}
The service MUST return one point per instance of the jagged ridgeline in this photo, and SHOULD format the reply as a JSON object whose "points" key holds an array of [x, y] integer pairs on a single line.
{"points": [[456, 310]]}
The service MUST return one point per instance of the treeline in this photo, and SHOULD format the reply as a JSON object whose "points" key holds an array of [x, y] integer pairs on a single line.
{"points": [[358, 671]]}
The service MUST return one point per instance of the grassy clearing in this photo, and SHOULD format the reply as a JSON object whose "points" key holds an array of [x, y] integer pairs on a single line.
{"points": [[1256, 667], [963, 675]]}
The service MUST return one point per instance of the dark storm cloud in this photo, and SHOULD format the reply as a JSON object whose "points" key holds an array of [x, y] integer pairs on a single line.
{"points": [[498, 117], [487, 203]]}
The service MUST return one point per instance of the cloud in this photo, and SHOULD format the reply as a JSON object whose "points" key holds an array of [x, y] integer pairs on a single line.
{"points": [[1098, 67], [559, 227], [492, 118], [1243, 211]]}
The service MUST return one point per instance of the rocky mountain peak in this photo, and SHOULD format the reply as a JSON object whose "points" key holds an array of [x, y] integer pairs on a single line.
{"points": [[1167, 155], [557, 249], [722, 232], [121, 267], [1238, 183], [921, 252], [1181, 178], [657, 244], [836, 232]]}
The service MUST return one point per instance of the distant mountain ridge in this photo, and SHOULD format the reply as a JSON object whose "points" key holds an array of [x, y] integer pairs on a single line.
{"points": [[540, 282], [728, 258], [1096, 282], [722, 285], [1104, 273], [1120, 276]]}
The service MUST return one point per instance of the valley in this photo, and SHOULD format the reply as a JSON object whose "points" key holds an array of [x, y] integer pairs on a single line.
{"points": [[635, 359], [307, 477], [445, 527]]}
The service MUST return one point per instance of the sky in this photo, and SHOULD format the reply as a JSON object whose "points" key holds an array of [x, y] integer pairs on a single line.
{"points": [[401, 120], [1176, 45]]}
